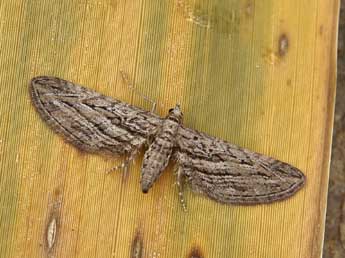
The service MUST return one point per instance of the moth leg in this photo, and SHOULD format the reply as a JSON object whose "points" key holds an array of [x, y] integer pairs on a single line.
{"points": [[124, 165], [180, 184], [130, 85]]}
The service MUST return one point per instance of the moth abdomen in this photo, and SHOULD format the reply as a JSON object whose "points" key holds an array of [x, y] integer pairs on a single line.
{"points": [[157, 157]]}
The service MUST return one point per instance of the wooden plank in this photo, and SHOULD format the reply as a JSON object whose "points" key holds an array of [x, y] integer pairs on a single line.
{"points": [[260, 74]]}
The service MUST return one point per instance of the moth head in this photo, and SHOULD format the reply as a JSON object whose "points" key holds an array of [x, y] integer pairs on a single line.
{"points": [[176, 113]]}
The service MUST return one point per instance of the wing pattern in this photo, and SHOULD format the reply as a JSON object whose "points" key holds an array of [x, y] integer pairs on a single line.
{"points": [[89, 120], [230, 174]]}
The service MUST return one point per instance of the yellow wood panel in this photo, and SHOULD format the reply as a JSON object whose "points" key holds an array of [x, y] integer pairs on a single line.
{"points": [[260, 74]]}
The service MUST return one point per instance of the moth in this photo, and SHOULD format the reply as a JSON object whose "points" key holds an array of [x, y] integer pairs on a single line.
{"points": [[220, 170]]}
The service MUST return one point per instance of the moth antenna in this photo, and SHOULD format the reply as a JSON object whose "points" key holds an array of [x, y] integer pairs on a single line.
{"points": [[130, 85]]}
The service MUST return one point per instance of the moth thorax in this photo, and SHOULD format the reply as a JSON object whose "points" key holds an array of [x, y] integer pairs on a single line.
{"points": [[175, 114]]}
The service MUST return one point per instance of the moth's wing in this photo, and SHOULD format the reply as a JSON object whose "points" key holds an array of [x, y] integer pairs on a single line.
{"points": [[230, 174], [89, 120]]}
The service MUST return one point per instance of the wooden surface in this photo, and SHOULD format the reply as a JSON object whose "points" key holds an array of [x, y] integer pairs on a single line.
{"points": [[260, 74]]}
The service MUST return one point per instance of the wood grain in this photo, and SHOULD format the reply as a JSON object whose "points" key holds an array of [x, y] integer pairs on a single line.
{"points": [[260, 74]]}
